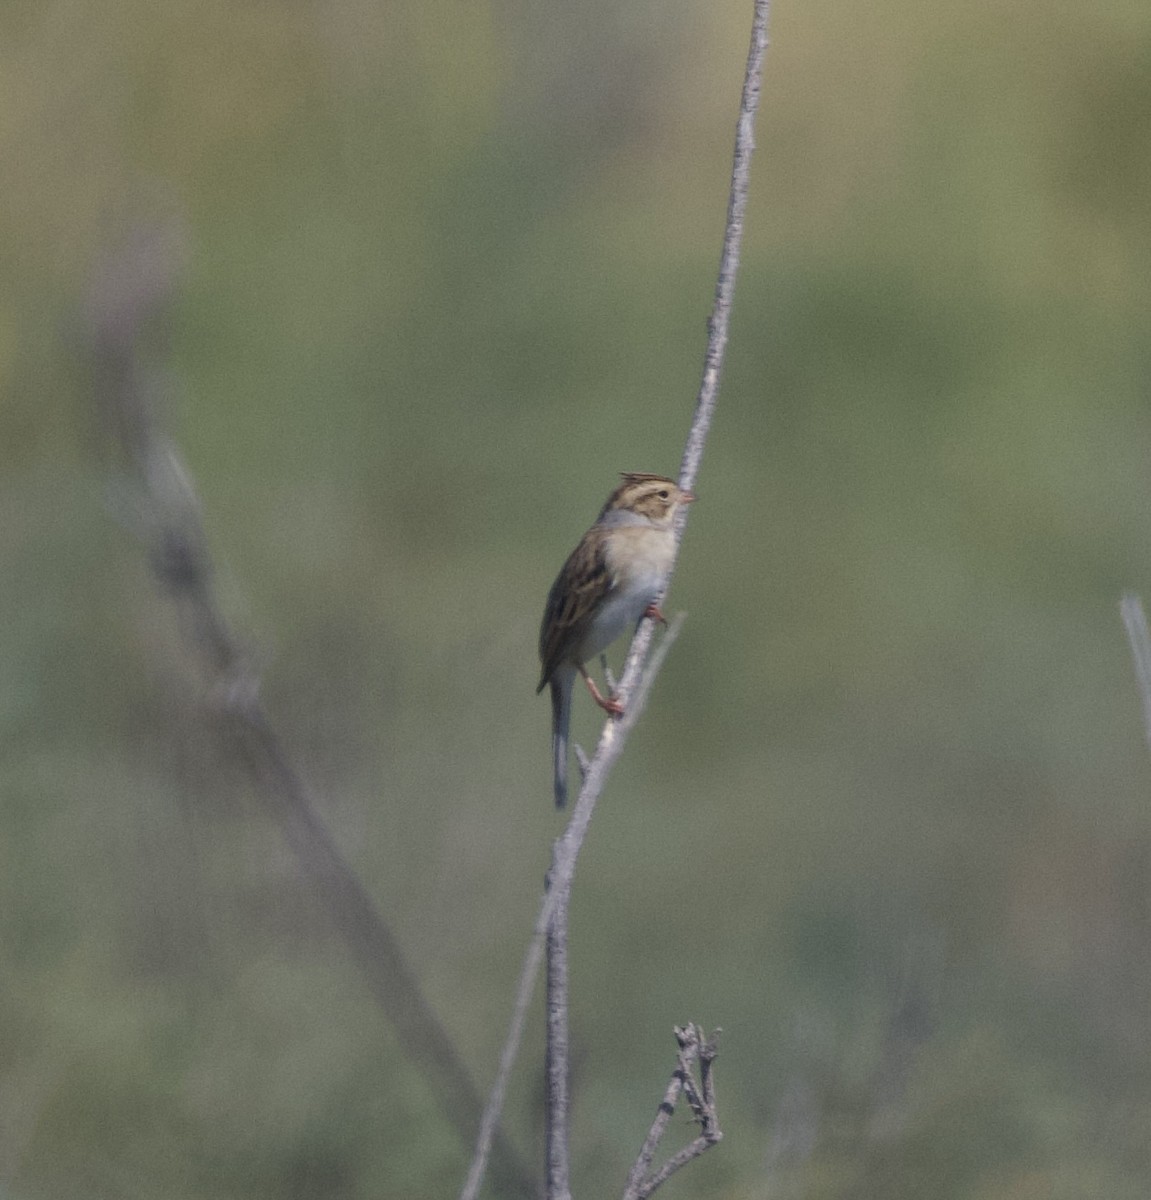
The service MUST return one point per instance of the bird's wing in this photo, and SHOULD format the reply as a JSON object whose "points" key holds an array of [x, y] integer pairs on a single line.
{"points": [[577, 594]]}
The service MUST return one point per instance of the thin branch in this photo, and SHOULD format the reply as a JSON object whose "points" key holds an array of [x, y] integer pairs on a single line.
{"points": [[693, 1048], [701, 1097], [1139, 639], [663, 1115], [632, 688], [611, 744], [732, 240], [557, 1071], [127, 296]]}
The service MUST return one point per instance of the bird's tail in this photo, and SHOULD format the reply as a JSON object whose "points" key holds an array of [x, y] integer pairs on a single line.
{"points": [[561, 687]]}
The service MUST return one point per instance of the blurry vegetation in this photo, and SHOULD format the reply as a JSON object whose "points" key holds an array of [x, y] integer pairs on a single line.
{"points": [[446, 270]]}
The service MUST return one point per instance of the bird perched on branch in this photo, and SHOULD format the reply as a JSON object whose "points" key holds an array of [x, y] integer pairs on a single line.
{"points": [[610, 580]]}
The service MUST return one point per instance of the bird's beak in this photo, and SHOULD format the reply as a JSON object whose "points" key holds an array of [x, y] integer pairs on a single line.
{"points": [[687, 497]]}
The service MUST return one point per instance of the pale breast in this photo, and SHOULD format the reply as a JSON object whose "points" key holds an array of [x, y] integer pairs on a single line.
{"points": [[639, 559]]}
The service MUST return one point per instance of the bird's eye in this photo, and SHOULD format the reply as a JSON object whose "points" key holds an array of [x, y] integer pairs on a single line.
{"points": [[663, 494]]}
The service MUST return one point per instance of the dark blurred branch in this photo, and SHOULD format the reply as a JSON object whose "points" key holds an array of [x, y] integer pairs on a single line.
{"points": [[636, 679], [128, 296], [700, 1094]]}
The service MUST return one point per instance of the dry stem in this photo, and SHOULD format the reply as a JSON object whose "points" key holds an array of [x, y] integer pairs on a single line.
{"points": [[700, 1095]]}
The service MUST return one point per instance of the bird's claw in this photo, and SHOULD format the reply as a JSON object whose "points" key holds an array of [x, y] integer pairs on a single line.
{"points": [[652, 611]]}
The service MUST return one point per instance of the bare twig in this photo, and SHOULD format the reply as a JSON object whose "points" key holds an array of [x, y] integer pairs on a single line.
{"points": [[556, 1071], [700, 1095], [632, 687], [663, 1115], [1138, 637], [134, 286], [732, 239], [610, 747]]}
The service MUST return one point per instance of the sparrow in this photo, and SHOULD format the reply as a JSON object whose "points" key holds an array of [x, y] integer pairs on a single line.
{"points": [[609, 582]]}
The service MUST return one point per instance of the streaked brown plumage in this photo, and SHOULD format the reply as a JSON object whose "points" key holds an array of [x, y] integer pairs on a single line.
{"points": [[608, 583]]}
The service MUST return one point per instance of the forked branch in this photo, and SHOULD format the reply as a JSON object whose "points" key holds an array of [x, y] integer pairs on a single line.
{"points": [[699, 1092]]}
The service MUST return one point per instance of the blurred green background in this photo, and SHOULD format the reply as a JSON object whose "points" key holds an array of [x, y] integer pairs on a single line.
{"points": [[445, 269]]}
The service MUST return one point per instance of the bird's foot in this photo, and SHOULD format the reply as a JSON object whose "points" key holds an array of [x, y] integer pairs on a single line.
{"points": [[653, 612], [608, 703]]}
